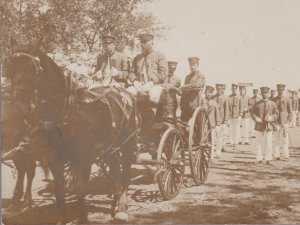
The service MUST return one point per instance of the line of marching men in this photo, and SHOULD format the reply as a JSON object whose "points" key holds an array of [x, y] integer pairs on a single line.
{"points": [[264, 117], [234, 115]]}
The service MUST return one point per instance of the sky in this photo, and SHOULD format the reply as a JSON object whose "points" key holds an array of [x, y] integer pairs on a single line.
{"points": [[255, 41]]}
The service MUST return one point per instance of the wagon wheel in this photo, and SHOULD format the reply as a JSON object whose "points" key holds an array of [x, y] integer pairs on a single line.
{"points": [[199, 146], [171, 163]]}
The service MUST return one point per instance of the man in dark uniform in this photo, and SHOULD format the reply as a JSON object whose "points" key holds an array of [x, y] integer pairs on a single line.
{"points": [[223, 104], [213, 116], [236, 112], [295, 108], [255, 98], [263, 113], [191, 90], [112, 66], [148, 69], [173, 83], [284, 107], [272, 96], [246, 105]]}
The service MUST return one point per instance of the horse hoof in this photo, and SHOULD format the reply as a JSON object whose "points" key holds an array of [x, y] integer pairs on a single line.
{"points": [[11, 211], [121, 216]]}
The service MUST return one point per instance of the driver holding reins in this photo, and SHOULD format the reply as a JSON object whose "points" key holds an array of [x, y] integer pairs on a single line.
{"points": [[112, 66]]}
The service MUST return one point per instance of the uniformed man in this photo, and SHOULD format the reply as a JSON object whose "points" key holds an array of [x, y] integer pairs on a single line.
{"points": [[246, 105], [223, 104], [272, 96], [112, 66], [150, 66], [284, 106], [213, 116], [264, 112], [173, 83], [191, 90], [295, 108], [148, 69], [255, 98], [236, 112]]}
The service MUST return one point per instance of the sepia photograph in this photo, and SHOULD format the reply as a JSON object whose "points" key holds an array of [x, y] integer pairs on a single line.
{"points": [[150, 112]]}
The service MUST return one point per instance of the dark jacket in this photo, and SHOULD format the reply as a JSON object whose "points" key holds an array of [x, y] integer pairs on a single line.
{"points": [[284, 107], [260, 110], [117, 60], [223, 104], [155, 65], [235, 106], [191, 96]]}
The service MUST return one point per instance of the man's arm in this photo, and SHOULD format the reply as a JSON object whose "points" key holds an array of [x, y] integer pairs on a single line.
{"points": [[162, 69]]}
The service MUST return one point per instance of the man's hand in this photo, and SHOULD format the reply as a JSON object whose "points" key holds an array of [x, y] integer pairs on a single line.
{"points": [[114, 72], [269, 118], [146, 87], [137, 85], [258, 120]]}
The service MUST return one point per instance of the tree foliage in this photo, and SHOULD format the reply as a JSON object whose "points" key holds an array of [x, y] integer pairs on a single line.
{"points": [[71, 26]]}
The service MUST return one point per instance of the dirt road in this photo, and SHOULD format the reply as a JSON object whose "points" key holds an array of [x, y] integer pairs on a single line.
{"points": [[237, 191]]}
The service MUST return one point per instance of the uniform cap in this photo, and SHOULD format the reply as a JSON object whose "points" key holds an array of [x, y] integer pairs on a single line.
{"points": [[255, 90], [280, 86], [146, 37], [264, 89], [108, 38], [234, 85], [223, 86], [209, 88], [193, 59], [172, 63], [242, 87]]}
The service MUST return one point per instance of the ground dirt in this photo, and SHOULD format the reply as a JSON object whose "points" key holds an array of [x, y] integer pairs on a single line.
{"points": [[237, 191]]}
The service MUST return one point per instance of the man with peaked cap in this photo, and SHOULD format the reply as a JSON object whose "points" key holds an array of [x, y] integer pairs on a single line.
{"points": [[295, 108], [191, 90], [272, 96], [235, 112], [112, 66], [284, 107], [223, 104], [246, 105], [173, 82], [264, 113], [255, 98], [149, 68], [214, 117]]}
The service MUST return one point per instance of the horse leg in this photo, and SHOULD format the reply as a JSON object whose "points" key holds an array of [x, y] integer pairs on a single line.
{"points": [[30, 175], [113, 162], [15, 206], [123, 181], [57, 169], [82, 178], [18, 191]]}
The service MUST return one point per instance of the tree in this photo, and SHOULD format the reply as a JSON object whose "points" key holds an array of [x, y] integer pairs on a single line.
{"points": [[70, 26]]}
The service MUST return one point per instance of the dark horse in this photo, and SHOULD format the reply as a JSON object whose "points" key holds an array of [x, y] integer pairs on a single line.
{"points": [[12, 129], [73, 125]]}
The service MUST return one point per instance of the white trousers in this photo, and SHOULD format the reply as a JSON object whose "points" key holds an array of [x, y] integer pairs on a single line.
{"points": [[264, 145], [220, 139], [282, 142], [245, 130], [252, 127], [213, 142], [235, 128], [294, 118]]}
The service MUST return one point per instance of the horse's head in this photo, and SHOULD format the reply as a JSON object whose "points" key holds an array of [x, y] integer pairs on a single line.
{"points": [[22, 69]]}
